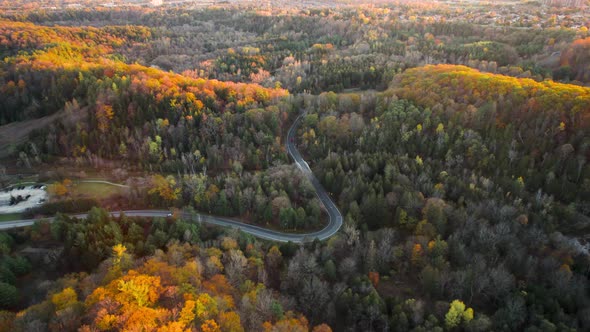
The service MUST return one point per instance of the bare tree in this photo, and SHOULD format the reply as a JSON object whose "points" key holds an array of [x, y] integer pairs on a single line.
{"points": [[235, 264]]}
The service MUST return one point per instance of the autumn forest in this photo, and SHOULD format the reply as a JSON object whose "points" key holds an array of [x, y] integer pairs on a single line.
{"points": [[230, 166]]}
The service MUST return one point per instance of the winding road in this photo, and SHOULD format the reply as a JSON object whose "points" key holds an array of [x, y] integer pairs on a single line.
{"points": [[334, 215]]}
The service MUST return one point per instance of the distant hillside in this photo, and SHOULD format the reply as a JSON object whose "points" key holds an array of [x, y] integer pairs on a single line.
{"points": [[565, 3], [575, 61], [515, 101], [54, 65], [20, 37], [145, 114]]}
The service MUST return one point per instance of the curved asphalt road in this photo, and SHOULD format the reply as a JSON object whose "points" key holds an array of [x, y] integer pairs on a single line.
{"points": [[334, 215]]}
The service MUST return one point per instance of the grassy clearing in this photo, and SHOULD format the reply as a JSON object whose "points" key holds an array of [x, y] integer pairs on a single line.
{"points": [[10, 217], [94, 190]]}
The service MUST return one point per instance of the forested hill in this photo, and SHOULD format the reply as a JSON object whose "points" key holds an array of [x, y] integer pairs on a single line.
{"points": [[22, 37], [144, 114], [50, 66], [537, 130], [460, 88]]}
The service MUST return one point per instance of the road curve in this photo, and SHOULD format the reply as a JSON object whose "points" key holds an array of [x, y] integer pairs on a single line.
{"points": [[334, 215]]}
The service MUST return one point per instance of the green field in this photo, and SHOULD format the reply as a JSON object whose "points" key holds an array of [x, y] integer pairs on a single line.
{"points": [[10, 217], [94, 190]]}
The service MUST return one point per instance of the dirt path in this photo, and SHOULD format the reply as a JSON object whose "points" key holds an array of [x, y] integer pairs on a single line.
{"points": [[15, 133]]}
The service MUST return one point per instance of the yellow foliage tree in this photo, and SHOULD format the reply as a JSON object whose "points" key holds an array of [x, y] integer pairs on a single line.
{"points": [[419, 160], [143, 318], [206, 307], [104, 114], [210, 326], [60, 189], [64, 299], [457, 314], [230, 322], [288, 324], [165, 187], [142, 290], [105, 321], [118, 252], [173, 327], [187, 314]]}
